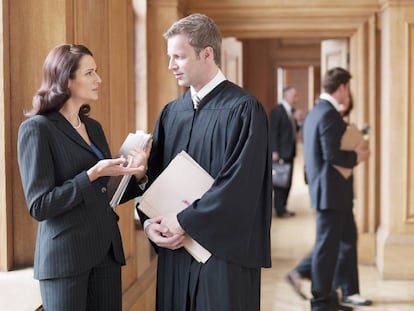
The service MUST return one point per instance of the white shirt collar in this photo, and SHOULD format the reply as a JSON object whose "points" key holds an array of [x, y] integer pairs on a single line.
{"points": [[330, 99], [218, 78], [287, 107]]}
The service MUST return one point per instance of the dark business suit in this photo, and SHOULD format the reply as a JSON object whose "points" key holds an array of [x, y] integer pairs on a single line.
{"points": [[283, 141], [346, 274], [77, 228], [331, 196]]}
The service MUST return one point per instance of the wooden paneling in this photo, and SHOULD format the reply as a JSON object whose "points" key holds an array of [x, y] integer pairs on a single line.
{"points": [[106, 27], [298, 77], [163, 86], [257, 67], [108, 33], [31, 38], [280, 18], [409, 37], [232, 60], [261, 58], [335, 53], [395, 237], [366, 196], [5, 192]]}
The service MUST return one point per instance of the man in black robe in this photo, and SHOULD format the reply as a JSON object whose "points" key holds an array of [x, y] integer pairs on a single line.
{"points": [[225, 130]]}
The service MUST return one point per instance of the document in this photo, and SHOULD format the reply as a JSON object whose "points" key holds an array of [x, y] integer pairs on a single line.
{"points": [[352, 136], [118, 184], [181, 183]]}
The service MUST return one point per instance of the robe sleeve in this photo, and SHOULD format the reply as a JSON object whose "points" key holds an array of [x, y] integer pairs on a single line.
{"points": [[154, 162]]}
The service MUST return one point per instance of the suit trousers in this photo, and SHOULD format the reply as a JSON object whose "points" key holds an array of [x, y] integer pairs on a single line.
{"points": [[280, 195], [98, 289], [346, 275], [331, 235]]}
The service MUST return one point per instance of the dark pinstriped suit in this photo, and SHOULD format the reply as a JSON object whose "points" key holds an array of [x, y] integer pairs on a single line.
{"points": [[77, 227]]}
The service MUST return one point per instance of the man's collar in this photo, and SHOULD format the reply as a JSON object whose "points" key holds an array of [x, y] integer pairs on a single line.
{"points": [[218, 78], [287, 106], [330, 99]]}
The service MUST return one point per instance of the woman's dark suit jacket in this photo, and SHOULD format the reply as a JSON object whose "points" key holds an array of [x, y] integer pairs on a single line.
{"points": [[76, 223]]}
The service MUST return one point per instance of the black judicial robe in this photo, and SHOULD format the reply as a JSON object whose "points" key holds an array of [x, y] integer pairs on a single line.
{"points": [[228, 136]]}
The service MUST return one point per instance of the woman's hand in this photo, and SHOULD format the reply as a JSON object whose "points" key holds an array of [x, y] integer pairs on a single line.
{"points": [[112, 167], [136, 164]]}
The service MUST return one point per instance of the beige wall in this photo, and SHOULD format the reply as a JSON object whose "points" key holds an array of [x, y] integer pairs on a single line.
{"points": [[396, 232]]}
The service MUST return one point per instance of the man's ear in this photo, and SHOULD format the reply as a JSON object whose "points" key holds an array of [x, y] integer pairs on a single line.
{"points": [[208, 52]]}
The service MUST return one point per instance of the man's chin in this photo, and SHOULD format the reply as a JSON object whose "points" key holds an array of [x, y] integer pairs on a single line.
{"points": [[183, 83]]}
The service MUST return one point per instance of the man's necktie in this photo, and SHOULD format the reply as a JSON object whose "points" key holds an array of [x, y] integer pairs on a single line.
{"points": [[196, 100], [293, 121]]}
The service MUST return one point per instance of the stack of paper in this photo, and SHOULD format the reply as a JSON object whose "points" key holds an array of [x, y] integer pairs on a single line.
{"points": [[118, 184], [181, 183]]}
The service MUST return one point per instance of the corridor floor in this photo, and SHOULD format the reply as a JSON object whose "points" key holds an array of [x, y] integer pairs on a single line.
{"points": [[292, 239]]}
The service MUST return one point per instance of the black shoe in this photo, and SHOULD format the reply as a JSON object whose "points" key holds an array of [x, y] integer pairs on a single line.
{"points": [[356, 300], [286, 214], [295, 280], [344, 308]]}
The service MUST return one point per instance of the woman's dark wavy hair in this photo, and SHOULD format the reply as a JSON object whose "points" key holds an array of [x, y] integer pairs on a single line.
{"points": [[348, 110], [60, 66]]}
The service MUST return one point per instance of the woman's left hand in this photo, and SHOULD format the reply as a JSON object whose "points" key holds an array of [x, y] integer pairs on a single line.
{"points": [[138, 158]]}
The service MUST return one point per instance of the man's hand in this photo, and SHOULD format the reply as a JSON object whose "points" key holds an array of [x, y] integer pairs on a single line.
{"points": [[299, 116], [362, 151], [162, 235]]}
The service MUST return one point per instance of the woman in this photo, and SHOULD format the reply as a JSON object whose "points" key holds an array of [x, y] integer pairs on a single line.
{"points": [[65, 164]]}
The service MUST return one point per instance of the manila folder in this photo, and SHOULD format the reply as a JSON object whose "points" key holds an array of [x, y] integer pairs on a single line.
{"points": [[351, 137], [118, 184], [181, 183]]}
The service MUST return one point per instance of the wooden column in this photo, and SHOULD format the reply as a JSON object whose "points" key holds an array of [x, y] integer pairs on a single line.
{"points": [[395, 240], [6, 251], [31, 29], [366, 111], [162, 86]]}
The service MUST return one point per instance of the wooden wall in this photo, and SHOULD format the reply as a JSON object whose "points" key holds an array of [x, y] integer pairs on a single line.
{"points": [[27, 45], [262, 58], [380, 34], [32, 28]]}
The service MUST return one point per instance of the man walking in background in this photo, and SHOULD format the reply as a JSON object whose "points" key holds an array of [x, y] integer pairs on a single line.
{"points": [[285, 121], [331, 193]]}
